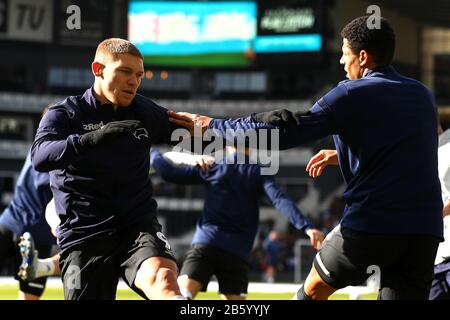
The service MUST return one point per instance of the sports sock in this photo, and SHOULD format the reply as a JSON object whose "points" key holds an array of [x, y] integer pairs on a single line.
{"points": [[177, 297], [301, 294], [185, 292], [45, 267]]}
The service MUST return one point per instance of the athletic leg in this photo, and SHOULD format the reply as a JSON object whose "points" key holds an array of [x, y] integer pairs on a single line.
{"points": [[197, 270], [148, 265]]}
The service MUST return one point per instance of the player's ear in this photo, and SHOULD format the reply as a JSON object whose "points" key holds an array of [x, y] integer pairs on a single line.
{"points": [[97, 69], [363, 58]]}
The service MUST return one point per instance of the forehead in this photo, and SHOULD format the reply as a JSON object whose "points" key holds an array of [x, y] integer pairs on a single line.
{"points": [[129, 61], [345, 45]]}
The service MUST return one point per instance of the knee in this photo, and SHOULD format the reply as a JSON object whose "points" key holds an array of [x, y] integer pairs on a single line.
{"points": [[144, 276], [165, 275], [153, 272], [316, 288]]}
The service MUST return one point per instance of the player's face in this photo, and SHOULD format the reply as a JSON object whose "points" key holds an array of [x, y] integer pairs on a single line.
{"points": [[122, 78], [350, 61]]}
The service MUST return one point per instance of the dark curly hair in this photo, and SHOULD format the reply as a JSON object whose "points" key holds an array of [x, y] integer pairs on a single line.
{"points": [[378, 42]]}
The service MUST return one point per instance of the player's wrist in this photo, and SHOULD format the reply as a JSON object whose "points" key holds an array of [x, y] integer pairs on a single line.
{"points": [[86, 140]]}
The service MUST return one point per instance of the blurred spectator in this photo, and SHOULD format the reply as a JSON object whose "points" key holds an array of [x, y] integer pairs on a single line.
{"points": [[272, 247]]}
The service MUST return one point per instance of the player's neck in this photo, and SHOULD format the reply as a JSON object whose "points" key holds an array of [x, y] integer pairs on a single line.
{"points": [[97, 91]]}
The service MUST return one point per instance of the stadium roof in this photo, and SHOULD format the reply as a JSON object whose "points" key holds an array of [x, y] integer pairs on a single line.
{"points": [[430, 12]]}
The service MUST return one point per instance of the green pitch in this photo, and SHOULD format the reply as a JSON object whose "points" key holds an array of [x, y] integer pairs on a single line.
{"points": [[9, 292]]}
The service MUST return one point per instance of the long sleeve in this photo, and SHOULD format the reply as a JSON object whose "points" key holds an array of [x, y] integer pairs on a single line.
{"points": [[156, 120], [170, 173], [285, 204], [53, 147], [279, 129]]}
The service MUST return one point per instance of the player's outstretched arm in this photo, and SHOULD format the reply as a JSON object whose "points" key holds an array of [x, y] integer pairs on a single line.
{"points": [[187, 159], [195, 123], [176, 174]]}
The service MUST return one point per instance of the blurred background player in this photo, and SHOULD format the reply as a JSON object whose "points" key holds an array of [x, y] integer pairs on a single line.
{"points": [[26, 214], [32, 267], [440, 288], [227, 228]]}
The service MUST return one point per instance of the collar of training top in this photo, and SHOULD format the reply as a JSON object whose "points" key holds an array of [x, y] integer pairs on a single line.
{"points": [[89, 97], [383, 70]]}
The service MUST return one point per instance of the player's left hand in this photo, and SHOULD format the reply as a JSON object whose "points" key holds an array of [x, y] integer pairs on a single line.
{"points": [[277, 117]]}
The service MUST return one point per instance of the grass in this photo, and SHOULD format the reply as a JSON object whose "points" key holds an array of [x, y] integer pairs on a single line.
{"points": [[10, 292]]}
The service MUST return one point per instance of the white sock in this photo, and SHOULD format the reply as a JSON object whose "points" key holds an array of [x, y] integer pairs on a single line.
{"points": [[45, 267], [177, 297], [185, 292]]}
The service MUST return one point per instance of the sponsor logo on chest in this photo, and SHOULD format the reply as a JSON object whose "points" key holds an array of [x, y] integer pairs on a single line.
{"points": [[93, 126]]}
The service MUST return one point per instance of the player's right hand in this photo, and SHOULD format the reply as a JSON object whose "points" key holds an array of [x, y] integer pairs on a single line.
{"points": [[108, 132], [205, 162], [316, 237], [195, 123], [323, 158]]}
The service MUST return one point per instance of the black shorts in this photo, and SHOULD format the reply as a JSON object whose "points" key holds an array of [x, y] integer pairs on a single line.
{"points": [[91, 270], [203, 261], [9, 250], [403, 264]]}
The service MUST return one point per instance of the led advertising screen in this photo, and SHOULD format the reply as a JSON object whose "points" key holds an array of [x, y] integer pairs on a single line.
{"points": [[187, 33], [289, 31], [226, 33]]}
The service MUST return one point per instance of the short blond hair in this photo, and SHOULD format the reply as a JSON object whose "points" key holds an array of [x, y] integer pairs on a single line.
{"points": [[116, 46]]}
